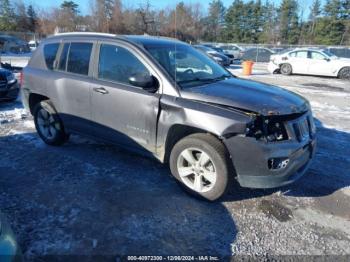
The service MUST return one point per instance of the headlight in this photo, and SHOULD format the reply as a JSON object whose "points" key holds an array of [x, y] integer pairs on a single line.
{"points": [[267, 128], [11, 78]]}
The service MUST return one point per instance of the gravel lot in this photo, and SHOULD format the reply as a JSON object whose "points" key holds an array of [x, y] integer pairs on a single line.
{"points": [[88, 198]]}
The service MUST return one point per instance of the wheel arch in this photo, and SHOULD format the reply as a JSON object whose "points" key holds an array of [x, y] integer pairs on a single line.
{"points": [[341, 68], [179, 131], [35, 99]]}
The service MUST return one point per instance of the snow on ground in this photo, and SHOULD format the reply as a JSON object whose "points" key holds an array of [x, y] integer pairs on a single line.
{"points": [[91, 198]]}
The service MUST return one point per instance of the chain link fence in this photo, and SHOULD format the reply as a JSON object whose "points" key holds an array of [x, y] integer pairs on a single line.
{"points": [[262, 52]]}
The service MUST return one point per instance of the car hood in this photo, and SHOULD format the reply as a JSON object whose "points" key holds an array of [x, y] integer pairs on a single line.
{"points": [[217, 54], [249, 96]]}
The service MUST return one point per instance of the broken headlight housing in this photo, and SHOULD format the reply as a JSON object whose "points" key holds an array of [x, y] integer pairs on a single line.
{"points": [[270, 129]]}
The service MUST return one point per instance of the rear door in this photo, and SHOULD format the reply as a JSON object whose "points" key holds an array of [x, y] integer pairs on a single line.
{"points": [[73, 72], [299, 61], [122, 113]]}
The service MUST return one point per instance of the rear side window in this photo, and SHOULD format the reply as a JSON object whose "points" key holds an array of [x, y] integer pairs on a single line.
{"points": [[63, 58], [50, 51], [79, 58], [118, 64], [299, 54]]}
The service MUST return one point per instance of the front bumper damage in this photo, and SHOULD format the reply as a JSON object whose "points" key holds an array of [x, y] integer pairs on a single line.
{"points": [[262, 164]]}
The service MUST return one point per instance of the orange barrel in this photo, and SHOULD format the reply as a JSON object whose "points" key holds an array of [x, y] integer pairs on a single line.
{"points": [[247, 67]]}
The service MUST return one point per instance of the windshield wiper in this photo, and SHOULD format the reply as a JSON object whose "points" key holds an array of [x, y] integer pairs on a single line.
{"points": [[205, 80]]}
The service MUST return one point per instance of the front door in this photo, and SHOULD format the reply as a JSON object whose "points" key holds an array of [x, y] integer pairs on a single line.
{"points": [[319, 64], [123, 113]]}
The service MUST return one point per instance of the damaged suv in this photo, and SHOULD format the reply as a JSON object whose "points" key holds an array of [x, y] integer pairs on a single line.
{"points": [[161, 97]]}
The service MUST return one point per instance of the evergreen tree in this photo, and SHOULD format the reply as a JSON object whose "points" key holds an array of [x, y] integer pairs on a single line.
{"points": [[234, 20], [215, 20], [70, 6], [68, 16], [269, 22], [22, 23], [32, 18], [330, 28], [315, 11], [7, 16], [289, 22], [332, 9]]}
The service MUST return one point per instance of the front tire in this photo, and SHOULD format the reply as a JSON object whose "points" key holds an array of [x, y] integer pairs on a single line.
{"points": [[201, 164], [344, 73], [286, 69], [48, 124]]}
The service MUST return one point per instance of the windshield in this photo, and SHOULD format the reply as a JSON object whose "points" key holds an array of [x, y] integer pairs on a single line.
{"points": [[187, 66], [329, 54]]}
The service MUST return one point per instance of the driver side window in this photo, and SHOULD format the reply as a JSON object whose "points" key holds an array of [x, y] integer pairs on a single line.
{"points": [[317, 55], [117, 64]]}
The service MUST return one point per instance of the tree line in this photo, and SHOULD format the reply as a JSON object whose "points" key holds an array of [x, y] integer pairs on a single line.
{"points": [[252, 21]]}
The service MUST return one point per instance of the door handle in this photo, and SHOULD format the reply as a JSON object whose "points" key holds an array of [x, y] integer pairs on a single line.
{"points": [[101, 90]]}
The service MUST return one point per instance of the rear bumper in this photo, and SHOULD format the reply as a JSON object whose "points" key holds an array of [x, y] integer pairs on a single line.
{"points": [[272, 68], [251, 157]]}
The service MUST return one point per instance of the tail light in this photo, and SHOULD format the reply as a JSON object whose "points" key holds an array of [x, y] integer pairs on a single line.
{"points": [[21, 78]]}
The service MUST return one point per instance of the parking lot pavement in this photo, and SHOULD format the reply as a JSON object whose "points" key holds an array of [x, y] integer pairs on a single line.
{"points": [[90, 198]]}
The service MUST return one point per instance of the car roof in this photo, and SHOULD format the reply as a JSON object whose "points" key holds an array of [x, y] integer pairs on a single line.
{"points": [[307, 49], [137, 39]]}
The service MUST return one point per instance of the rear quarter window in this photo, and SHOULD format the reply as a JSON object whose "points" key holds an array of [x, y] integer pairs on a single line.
{"points": [[50, 51]]}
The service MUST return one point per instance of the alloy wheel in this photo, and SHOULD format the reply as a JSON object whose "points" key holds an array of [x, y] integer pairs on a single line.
{"points": [[196, 170], [48, 126]]}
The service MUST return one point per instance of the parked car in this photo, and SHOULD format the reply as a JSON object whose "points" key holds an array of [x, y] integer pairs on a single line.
{"points": [[339, 51], [163, 98], [9, 87], [219, 58], [232, 50], [12, 45], [9, 249], [259, 54], [221, 51], [310, 62], [277, 50], [33, 45]]}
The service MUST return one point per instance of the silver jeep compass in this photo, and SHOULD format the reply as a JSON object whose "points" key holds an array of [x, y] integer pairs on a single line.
{"points": [[161, 97]]}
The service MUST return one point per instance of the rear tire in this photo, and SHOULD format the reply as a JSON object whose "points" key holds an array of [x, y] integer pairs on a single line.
{"points": [[200, 163], [286, 69], [48, 124], [344, 73]]}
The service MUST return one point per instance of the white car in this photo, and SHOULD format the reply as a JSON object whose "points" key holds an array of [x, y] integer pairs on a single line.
{"points": [[310, 62], [33, 45]]}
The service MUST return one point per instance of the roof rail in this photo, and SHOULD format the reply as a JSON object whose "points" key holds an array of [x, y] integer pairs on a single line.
{"points": [[84, 33]]}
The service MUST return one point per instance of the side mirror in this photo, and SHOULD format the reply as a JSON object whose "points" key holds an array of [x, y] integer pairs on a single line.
{"points": [[327, 59], [145, 81]]}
